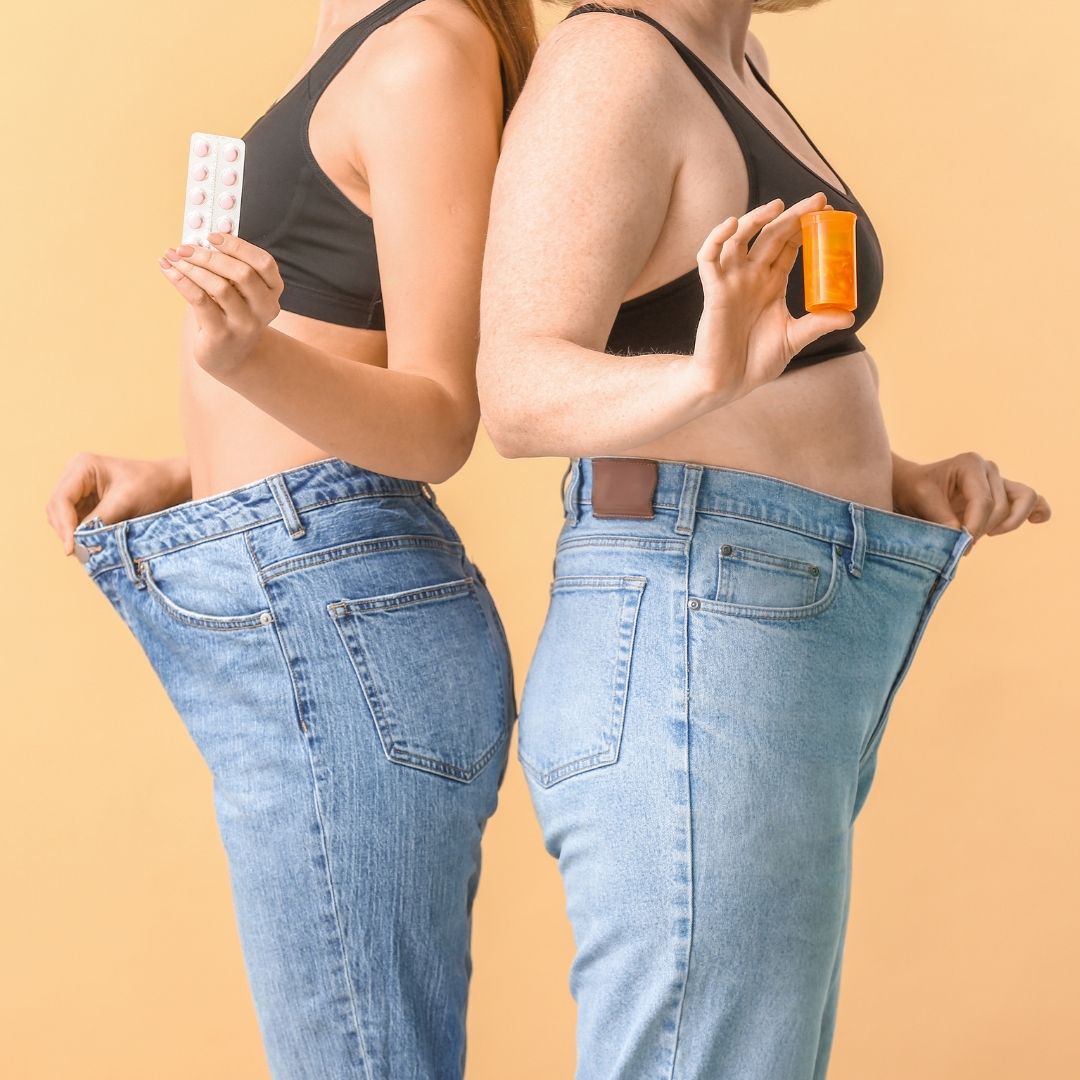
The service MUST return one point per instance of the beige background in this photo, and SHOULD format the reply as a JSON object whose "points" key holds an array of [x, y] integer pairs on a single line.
{"points": [[119, 959]]}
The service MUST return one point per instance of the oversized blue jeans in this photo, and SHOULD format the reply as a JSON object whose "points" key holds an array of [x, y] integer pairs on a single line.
{"points": [[342, 669], [700, 727]]}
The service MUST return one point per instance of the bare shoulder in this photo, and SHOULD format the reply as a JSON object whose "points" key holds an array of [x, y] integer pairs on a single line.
{"points": [[756, 50], [607, 65], [437, 44]]}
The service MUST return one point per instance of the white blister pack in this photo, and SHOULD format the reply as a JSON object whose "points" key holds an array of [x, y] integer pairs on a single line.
{"points": [[215, 180]]}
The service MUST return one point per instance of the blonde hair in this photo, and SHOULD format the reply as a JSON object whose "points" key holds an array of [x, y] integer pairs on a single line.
{"points": [[776, 6]]}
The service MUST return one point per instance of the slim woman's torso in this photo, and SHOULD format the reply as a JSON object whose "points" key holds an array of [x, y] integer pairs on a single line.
{"points": [[229, 441], [820, 426]]}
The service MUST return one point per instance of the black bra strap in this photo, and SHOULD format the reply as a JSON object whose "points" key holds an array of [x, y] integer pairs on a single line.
{"points": [[348, 41], [713, 86]]}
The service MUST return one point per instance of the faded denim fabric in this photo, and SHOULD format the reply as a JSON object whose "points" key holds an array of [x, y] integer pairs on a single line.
{"points": [[343, 671], [699, 728]]}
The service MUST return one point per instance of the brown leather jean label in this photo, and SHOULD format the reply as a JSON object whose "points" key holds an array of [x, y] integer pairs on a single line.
{"points": [[623, 487]]}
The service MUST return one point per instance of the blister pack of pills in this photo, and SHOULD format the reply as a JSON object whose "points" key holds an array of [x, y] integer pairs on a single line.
{"points": [[215, 178]]}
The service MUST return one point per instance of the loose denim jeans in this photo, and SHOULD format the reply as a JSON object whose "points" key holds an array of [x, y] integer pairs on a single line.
{"points": [[699, 728], [341, 667]]}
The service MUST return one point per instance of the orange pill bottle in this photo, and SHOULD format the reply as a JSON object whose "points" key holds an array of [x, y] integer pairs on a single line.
{"points": [[829, 270]]}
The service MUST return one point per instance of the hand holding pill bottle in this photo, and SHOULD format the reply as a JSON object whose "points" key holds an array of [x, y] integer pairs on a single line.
{"points": [[215, 178], [829, 268]]}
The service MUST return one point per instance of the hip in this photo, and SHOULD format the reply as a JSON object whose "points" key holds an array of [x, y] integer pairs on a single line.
{"points": [[328, 589], [722, 597]]}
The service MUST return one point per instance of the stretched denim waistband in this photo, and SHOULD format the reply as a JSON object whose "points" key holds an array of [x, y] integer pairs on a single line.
{"points": [[686, 490], [283, 496]]}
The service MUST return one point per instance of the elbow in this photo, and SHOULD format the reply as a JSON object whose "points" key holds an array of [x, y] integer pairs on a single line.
{"points": [[502, 410], [451, 455], [511, 430], [507, 437]]}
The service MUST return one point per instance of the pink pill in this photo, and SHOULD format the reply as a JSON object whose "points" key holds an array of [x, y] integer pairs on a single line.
{"points": [[195, 220], [224, 225], [228, 177], [200, 172], [226, 201], [232, 153], [198, 197], [201, 148]]}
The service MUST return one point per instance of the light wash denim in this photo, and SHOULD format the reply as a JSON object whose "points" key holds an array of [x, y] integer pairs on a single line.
{"points": [[342, 669], [700, 727]]}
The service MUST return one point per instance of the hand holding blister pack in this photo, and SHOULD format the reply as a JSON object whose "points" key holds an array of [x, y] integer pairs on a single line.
{"points": [[215, 179]]}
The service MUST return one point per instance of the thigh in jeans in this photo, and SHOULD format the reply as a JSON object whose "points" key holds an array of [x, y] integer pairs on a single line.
{"points": [[402, 687], [696, 771], [352, 702]]}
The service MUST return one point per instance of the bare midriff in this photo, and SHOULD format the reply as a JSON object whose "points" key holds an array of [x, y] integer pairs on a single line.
{"points": [[820, 426], [231, 442]]}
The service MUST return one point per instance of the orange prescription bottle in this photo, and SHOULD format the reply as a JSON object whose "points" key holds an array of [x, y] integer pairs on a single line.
{"points": [[828, 238]]}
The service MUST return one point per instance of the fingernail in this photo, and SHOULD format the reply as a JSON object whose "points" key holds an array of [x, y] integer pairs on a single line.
{"points": [[163, 261], [215, 237], [185, 250]]}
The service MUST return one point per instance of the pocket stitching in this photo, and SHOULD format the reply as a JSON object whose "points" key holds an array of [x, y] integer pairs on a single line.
{"points": [[773, 614], [379, 714], [754, 557], [633, 587], [197, 620]]}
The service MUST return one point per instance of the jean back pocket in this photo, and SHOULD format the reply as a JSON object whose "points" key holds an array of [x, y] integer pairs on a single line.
{"points": [[432, 674], [575, 693]]}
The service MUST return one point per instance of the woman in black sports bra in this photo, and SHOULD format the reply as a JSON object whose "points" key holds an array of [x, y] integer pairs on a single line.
{"points": [[745, 570], [313, 615]]}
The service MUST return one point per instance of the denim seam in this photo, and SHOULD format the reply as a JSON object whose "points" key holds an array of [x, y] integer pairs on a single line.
{"points": [[929, 603], [645, 543], [871, 549], [259, 522], [393, 753], [633, 587], [356, 549], [301, 729], [99, 570], [197, 621], [795, 614], [689, 825]]}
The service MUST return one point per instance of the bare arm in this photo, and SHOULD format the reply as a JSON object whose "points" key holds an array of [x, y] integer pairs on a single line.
{"points": [[574, 217], [429, 150], [587, 172]]}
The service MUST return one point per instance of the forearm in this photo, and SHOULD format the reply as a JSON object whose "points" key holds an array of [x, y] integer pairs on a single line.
{"points": [[388, 421], [550, 397]]}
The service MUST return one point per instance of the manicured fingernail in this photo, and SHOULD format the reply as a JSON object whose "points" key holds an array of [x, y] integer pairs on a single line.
{"points": [[215, 237], [185, 250]]}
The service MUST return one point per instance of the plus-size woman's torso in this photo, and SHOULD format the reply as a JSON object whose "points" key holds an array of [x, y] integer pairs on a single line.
{"points": [[819, 424]]}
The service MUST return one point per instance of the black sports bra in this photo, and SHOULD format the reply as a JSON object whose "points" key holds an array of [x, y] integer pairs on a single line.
{"points": [[665, 319], [323, 242]]}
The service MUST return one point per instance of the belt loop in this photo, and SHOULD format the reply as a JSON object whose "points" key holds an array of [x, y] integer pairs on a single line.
{"points": [[688, 499], [858, 545], [276, 483], [963, 542], [125, 556], [570, 490]]}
